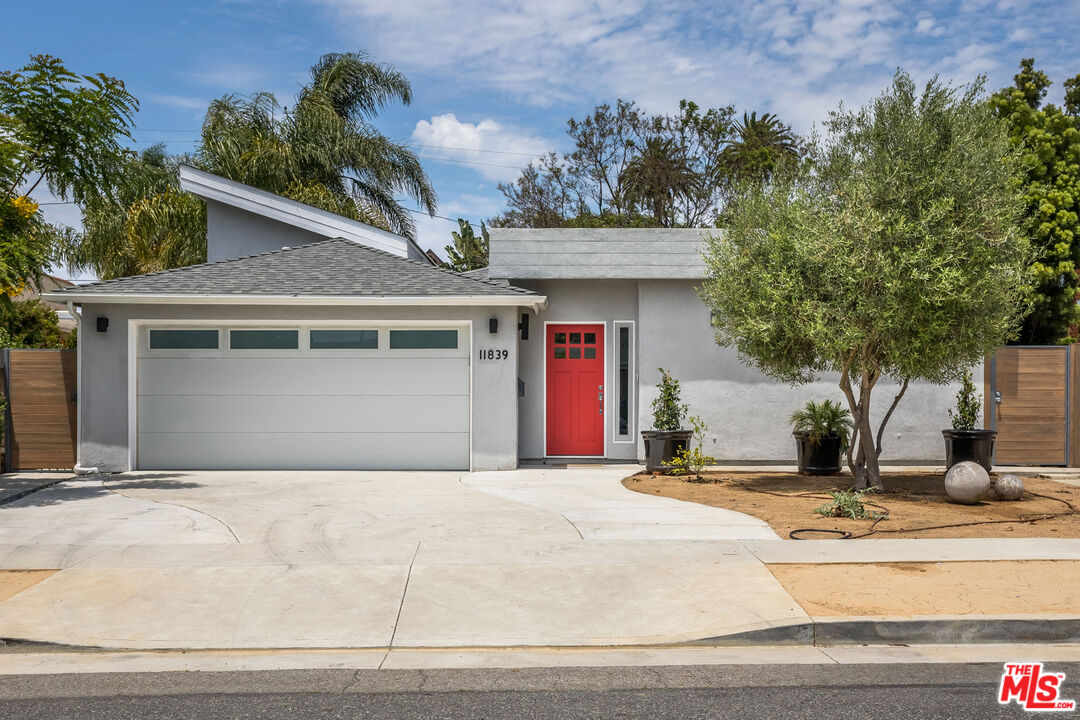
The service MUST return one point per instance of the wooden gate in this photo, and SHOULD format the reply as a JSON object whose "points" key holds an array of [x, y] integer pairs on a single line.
{"points": [[40, 431], [1029, 402]]}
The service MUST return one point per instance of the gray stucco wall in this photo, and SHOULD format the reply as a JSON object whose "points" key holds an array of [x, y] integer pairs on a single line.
{"points": [[103, 391], [233, 233], [747, 412], [604, 301]]}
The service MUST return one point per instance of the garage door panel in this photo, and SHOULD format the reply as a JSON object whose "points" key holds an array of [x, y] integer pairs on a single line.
{"points": [[335, 451], [295, 413], [311, 375]]}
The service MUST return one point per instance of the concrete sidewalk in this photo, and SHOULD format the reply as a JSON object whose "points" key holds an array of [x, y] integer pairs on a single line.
{"points": [[536, 558]]}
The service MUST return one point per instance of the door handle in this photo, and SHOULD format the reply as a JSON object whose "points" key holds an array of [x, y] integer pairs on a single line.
{"points": [[997, 397]]}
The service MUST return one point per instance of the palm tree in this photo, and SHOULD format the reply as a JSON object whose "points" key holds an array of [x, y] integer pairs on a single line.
{"points": [[658, 176], [324, 151], [761, 146], [146, 224], [325, 148]]}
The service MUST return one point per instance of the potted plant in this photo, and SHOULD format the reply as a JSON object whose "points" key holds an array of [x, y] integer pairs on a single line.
{"points": [[966, 441], [667, 438], [822, 431]]}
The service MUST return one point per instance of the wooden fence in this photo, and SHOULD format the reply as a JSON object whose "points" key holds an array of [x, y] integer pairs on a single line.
{"points": [[1032, 399], [40, 428]]}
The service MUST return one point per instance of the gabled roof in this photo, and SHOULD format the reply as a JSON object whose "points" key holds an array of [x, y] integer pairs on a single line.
{"points": [[328, 272], [321, 222]]}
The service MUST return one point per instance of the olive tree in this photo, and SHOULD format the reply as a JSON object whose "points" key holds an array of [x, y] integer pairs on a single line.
{"points": [[893, 250]]}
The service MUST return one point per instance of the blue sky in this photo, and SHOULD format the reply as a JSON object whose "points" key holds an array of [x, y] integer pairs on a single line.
{"points": [[495, 81]]}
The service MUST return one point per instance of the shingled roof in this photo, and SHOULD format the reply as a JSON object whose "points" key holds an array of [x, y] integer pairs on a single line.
{"points": [[328, 268]]}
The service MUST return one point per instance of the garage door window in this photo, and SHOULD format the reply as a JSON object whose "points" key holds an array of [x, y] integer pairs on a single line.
{"points": [[423, 339], [183, 339], [264, 339], [344, 339]]}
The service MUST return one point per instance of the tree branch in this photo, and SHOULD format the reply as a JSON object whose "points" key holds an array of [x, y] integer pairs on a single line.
{"points": [[885, 420]]}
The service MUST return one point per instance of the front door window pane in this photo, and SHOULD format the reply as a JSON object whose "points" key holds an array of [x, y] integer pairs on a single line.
{"points": [[624, 381]]}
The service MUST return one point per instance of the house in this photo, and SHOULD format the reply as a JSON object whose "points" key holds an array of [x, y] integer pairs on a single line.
{"points": [[317, 342], [48, 284]]}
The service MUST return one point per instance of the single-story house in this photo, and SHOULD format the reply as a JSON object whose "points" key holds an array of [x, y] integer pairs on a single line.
{"points": [[310, 341]]}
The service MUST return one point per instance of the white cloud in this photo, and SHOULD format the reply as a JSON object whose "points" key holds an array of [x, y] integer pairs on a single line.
{"points": [[575, 53], [496, 152]]}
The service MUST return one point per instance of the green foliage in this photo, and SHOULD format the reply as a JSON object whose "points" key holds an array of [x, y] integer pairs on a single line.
{"points": [[326, 139], [968, 405], [762, 146], [144, 225], [692, 461], [1049, 140], [63, 127], [848, 504], [468, 251], [323, 152], [668, 408], [892, 251], [31, 324], [822, 420], [631, 169]]}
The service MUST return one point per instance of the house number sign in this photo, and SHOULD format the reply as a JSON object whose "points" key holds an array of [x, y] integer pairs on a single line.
{"points": [[493, 354]]}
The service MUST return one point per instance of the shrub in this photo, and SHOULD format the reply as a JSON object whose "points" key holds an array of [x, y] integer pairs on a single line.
{"points": [[691, 461], [968, 406], [668, 408], [822, 420], [849, 504]]}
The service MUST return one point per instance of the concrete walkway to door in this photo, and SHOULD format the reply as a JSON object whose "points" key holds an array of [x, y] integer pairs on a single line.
{"points": [[534, 557]]}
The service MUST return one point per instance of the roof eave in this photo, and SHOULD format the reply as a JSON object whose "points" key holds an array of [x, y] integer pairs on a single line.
{"points": [[535, 302]]}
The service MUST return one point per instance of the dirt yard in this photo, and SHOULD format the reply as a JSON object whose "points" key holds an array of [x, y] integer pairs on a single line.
{"points": [[786, 501], [949, 588]]}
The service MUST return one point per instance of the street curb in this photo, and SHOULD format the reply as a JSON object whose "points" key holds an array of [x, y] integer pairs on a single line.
{"points": [[951, 631]]}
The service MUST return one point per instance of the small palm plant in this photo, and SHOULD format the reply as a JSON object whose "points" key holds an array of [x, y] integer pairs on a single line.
{"points": [[822, 420]]}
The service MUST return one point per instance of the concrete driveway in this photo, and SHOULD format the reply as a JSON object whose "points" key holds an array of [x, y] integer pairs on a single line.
{"points": [[535, 557]]}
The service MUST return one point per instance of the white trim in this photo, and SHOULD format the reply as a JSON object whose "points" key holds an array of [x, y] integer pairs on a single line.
{"points": [[543, 389], [631, 383], [135, 326], [535, 302], [321, 222]]}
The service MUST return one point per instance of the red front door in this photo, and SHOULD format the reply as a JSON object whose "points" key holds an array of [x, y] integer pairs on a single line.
{"points": [[575, 389]]}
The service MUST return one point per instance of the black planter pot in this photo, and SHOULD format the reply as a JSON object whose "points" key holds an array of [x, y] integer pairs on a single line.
{"points": [[818, 458], [974, 445], [661, 447]]}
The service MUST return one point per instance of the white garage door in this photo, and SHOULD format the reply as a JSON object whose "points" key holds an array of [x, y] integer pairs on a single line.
{"points": [[308, 397]]}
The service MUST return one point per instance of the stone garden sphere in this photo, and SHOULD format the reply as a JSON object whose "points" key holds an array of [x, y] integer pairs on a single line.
{"points": [[1009, 487], [967, 483]]}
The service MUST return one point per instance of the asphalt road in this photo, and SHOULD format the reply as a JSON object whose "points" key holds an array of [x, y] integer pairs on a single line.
{"points": [[934, 692]]}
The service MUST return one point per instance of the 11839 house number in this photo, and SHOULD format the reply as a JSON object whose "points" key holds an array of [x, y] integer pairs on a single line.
{"points": [[493, 354]]}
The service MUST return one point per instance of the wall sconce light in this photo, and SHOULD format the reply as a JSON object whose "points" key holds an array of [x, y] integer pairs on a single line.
{"points": [[102, 323], [493, 325], [523, 326]]}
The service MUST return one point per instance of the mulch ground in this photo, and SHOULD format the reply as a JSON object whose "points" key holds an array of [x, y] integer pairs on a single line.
{"points": [[914, 503]]}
